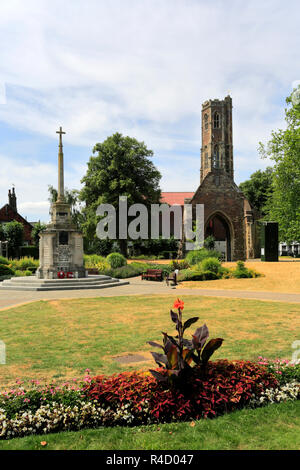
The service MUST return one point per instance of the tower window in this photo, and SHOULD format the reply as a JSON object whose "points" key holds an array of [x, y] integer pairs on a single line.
{"points": [[216, 120], [205, 122], [216, 157], [206, 161]]}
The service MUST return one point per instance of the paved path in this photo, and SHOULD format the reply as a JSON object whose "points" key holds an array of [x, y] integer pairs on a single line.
{"points": [[138, 287]]}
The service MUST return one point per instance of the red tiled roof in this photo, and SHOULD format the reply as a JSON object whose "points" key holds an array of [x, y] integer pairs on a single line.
{"points": [[175, 198]]}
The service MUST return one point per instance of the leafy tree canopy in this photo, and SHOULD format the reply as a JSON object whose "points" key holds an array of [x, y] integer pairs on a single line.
{"points": [[258, 189], [121, 167], [37, 229], [284, 150], [14, 235]]}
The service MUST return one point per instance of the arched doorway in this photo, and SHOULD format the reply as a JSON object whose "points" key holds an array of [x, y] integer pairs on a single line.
{"points": [[218, 227]]}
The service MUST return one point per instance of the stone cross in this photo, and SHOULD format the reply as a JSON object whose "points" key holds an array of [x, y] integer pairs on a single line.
{"points": [[61, 191]]}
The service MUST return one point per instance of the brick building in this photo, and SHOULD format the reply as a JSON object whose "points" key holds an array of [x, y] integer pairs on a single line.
{"points": [[228, 215], [9, 213]]}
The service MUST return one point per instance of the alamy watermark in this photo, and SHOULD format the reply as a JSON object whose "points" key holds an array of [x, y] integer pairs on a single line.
{"points": [[296, 353], [2, 352], [159, 219], [2, 93]]}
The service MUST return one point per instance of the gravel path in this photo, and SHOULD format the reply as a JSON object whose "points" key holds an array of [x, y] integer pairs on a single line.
{"points": [[137, 287]]}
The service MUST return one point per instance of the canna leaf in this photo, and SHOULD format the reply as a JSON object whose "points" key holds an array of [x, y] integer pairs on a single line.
{"points": [[187, 344], [189, 322], [156, 345], [200, 336], [174, 317], [160, 358], [158, 376], [173, 358], [170, 339], [187, 356], [210, 348]]}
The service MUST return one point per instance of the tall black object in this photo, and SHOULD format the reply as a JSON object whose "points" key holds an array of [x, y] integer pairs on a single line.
{"points": [[269, 241]]}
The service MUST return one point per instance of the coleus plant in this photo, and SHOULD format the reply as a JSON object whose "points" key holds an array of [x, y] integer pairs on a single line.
{"points": [[179, 353]]}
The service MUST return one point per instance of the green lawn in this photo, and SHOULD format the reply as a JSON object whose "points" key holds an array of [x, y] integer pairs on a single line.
{"points": [[275, 427], [59, 339]]}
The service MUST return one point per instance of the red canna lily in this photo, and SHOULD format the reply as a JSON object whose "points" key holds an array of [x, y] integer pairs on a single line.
{"points": [[178, 304]]}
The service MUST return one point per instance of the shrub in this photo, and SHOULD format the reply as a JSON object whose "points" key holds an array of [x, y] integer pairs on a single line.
{"points": [[6, 270], [116, 260], [225, 273], [3, 260], [91, 261], [130, 270], [103, 265], [196, 256], [23, 264], [211, 264], [19, 273], [193, 275], [179, 264], [242, 272]]}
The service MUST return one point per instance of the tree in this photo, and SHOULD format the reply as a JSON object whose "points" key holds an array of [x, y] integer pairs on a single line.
{"points": [[122, 167], [35, 234], [258, 189], [209, 242], [284, 150], [14, 235], [72, 198]]}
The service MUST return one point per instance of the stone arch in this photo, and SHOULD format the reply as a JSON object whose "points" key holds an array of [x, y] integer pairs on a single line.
{"points": [[220, 226]]}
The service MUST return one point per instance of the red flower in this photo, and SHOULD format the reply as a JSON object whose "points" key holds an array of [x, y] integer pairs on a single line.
{"points": [[178, 304]]}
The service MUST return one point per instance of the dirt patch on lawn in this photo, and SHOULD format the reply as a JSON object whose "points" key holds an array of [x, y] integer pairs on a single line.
{"points": [[132, 357]]}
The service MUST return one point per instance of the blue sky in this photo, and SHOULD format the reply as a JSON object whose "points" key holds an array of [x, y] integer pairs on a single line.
{"points": [[142, 68]]}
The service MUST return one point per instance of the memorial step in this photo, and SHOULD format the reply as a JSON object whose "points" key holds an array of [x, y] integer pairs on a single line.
{"points": [[31, 283]]}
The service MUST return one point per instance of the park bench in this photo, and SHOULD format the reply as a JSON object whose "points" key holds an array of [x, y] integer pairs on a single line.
{"points": [[153, 274]]}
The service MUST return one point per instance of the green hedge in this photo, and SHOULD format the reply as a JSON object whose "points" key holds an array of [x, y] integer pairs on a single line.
{"points": [[190, 275], [130, 270], [30, 250]]}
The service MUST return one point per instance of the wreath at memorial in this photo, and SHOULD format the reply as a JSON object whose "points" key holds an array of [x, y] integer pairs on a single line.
{"points": [[61, 275]]}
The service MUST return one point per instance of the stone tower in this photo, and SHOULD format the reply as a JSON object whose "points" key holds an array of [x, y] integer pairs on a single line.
{"points": [[228, 216], [61, 244], [217, 148]]}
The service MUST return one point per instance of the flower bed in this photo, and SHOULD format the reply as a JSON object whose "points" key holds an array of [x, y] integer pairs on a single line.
{"points": [[136, 398]]}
